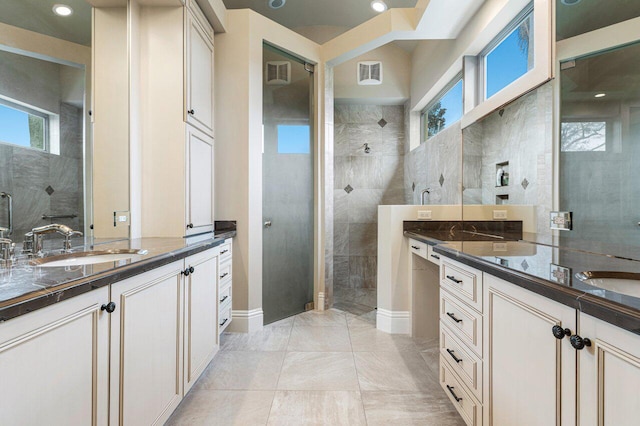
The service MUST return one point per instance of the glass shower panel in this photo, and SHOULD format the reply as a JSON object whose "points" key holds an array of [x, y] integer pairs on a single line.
{"points": [[287, 186]]}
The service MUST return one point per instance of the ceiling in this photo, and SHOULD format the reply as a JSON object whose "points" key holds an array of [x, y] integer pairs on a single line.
{"points": [[589, 15], [305, 13], [38, 16]]}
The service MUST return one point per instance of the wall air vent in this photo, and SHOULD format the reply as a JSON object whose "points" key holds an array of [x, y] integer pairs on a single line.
{"points": [[278, 73], [369, 73]]}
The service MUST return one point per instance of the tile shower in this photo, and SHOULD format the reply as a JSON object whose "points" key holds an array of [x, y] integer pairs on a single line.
{"points": [[362, 181]]}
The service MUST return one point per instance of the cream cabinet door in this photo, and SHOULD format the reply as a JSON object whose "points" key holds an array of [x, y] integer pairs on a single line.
{"points": [[199, 96], [199, 182], [529, 375], [609, 375], [54, 364], [146, 347], [201, 303]]}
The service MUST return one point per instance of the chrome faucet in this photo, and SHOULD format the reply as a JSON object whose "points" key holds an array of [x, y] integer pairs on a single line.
{"points": [[424, 191], [33, 240], [6, 195], [6, 251]]}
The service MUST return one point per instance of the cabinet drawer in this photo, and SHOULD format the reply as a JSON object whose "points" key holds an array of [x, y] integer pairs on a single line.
{"points": [[225, 250], [418, 248], [467, 406], [462, 361], [432, 256], [463, 282], [224, 318], [465, 323], [224, 296], [224, 273]]}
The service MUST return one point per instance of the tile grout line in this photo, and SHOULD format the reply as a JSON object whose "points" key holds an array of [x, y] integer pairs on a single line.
{"points": [[286, 351], [355, 367]]}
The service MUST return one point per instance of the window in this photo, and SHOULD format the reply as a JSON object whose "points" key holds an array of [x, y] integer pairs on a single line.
{"points": [[23, 126], [510, 55], [294, 139], [444, 111], [583, 136]]}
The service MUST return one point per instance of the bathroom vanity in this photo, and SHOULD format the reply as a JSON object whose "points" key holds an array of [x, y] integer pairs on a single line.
{"points": [[526, 339], [112, 343]]}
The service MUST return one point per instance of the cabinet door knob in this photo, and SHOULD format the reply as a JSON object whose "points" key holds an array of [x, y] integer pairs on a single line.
{"points": [[186, 272], [109, 307], [578, 342], [559, 332], [191, 112], [190, 225], [191, 269], [453, 317]]}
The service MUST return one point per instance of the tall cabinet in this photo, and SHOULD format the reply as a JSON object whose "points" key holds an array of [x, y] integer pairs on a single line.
{"points": [[176, 115]]}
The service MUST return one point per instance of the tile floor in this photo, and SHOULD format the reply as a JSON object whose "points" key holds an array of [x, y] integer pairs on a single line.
{"points": [[320, 368]]}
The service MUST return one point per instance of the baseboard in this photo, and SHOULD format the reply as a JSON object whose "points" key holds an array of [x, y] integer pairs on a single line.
{"points": [[246, 321], [320, 306], [393, 322]]}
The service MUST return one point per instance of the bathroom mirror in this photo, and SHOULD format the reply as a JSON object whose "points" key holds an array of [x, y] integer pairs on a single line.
{"points": [[575, 17], [46, 123]]}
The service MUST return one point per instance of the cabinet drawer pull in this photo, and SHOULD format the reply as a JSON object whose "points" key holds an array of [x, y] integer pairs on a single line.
{"points": [[415, 248], [224, 275], [224, 322], [456, 359], [191, 112], [458, 399], [452, 278], [223, 299], [224, 251], [453, 317], [435, 256]]}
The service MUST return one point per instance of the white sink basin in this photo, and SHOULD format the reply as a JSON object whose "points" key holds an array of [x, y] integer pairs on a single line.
{"points": [[621, 282], [87, 258]]}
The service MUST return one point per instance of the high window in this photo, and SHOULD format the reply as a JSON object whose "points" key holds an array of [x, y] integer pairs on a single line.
{"points": [[444, 110], [294, 139], [23, 126]]}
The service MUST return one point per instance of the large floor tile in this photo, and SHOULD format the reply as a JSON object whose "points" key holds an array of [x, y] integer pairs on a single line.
{"points": [[220, 407], [333, 408], [409, 408], [400, 371], [318, 371], [330, 318], [270, 338], [319, 339], [373, 340], [232, 370]]}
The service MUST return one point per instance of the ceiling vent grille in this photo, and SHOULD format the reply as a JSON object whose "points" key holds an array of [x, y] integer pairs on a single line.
{"points": [[278, 73], [369, 73]]}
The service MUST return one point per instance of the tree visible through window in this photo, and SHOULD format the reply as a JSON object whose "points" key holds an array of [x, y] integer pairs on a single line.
{"points": [[583, 136], [21, 127], [446, 111]]}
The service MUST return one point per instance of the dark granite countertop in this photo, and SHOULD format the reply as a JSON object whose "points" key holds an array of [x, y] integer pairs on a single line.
{"points": [[534, 266], [25, 288]]}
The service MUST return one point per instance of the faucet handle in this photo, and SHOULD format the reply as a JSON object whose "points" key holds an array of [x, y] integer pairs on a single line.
{"points": [[2, 231], [67, 240]]}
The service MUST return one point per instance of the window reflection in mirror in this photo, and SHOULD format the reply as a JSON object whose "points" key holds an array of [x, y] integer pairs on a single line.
{"points": [[600, 145], [575, 17]]}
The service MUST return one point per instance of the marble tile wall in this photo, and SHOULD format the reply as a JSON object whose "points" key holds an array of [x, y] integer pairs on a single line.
{"points": [[27, 173], [522, 134], [362, 181]]}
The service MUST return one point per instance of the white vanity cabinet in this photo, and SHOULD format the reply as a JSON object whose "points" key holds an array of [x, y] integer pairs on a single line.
{"points": [[609, 374], [54, 364], [529, 375], [199, 70], [146, 346]]}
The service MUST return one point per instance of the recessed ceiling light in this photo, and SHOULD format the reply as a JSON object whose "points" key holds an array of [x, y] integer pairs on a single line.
{"points": [[276, 4], [601, 95], [62, 10], [378, 6], [570, 2]]}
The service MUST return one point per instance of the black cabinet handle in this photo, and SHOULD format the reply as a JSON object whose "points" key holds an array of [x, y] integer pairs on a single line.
{"points": [[223, 299], [186, 272], [190, 225], [191, 112], [224, 251], [452, 278], [191, 269], [559, 332], [415, 248], [224, 275], [578, 342], [453, 317], [435, 256], [456, 359], [109, 307], [224, 322], [458, 399]]}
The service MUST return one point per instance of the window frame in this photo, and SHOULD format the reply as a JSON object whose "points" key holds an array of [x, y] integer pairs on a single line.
{"points": [[424, 133], [520, 18], [35, 112]]}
